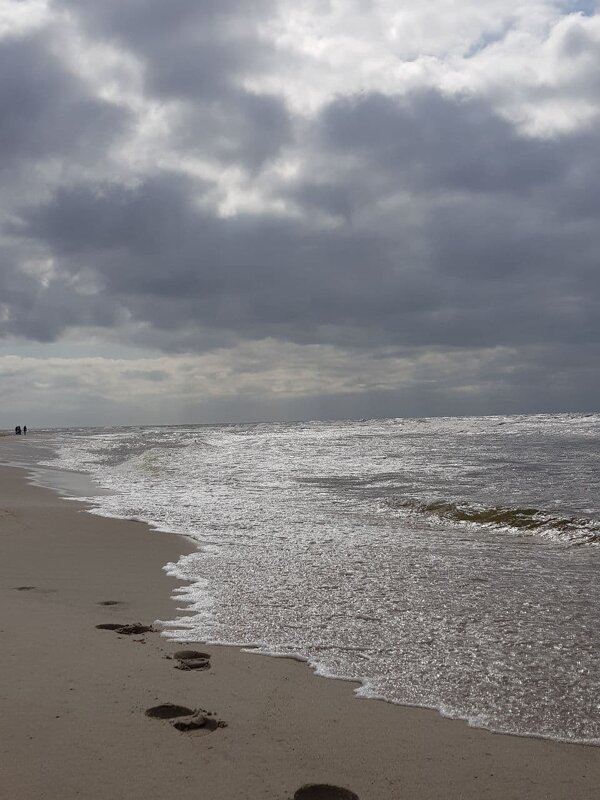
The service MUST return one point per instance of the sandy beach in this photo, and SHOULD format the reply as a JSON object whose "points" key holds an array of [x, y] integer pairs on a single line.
{"points": [[73, 697]]}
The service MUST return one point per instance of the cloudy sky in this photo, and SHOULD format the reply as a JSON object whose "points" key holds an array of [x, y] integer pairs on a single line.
{"points": [[278, 209]]}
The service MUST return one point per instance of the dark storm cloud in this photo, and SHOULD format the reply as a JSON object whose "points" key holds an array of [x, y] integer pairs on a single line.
{"points": [[41, 309], [505, 219], [197, 53], [189, 49], [490, 269], [173, 264], [427, 140], [47, 111], [168, 35], [239, 127]]}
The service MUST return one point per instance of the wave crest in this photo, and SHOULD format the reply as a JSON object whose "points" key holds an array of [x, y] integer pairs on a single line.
{"points": [[571, 530]]}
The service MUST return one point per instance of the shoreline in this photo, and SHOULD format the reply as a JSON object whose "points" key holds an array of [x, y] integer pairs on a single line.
{"points": [[73, 698]]}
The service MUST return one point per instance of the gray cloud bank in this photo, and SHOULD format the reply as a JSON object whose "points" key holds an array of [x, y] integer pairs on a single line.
{"points": [[160, 188]]}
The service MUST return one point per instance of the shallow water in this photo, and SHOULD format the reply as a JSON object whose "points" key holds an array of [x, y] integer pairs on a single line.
{"points": [[450, 562]]}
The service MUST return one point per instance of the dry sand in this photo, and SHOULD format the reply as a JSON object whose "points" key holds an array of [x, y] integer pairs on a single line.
{"points": [[73, 697]]}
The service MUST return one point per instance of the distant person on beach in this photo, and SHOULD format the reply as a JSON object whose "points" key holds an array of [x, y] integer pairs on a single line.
{"points": [[18, 430], [24, 430]]}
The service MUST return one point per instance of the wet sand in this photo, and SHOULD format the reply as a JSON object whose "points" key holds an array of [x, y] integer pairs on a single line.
{"points": [[73, 697]]}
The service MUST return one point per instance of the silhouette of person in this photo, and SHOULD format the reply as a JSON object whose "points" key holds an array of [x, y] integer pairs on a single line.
{"points": [[18, 430], [24, 430]]}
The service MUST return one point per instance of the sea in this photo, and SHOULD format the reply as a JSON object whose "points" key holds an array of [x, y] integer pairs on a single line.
{"points": [[451, 563]]}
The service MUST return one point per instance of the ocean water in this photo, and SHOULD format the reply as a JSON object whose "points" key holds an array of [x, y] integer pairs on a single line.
{"points": [[451, 563]]}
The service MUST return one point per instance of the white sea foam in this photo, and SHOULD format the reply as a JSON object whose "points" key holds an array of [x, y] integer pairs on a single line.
{"points": [[433, 561]]}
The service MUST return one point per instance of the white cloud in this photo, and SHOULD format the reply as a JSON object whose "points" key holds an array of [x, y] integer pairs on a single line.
{"points": [[264, 372], [19, 17], [501, 49], [542, 80]]}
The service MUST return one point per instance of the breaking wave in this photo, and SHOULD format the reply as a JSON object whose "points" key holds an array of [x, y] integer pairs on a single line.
{"points": [[570, 530]]}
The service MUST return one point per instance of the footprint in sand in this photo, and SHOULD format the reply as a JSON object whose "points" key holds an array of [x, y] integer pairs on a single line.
{"points": [[169, 711], [187, 719], [323, 791], [130, 629], [110, 603], [24, 588], [192, 659]]}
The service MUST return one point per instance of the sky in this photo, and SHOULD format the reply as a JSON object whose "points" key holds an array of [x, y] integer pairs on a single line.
{"points": [[297, 209]]}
